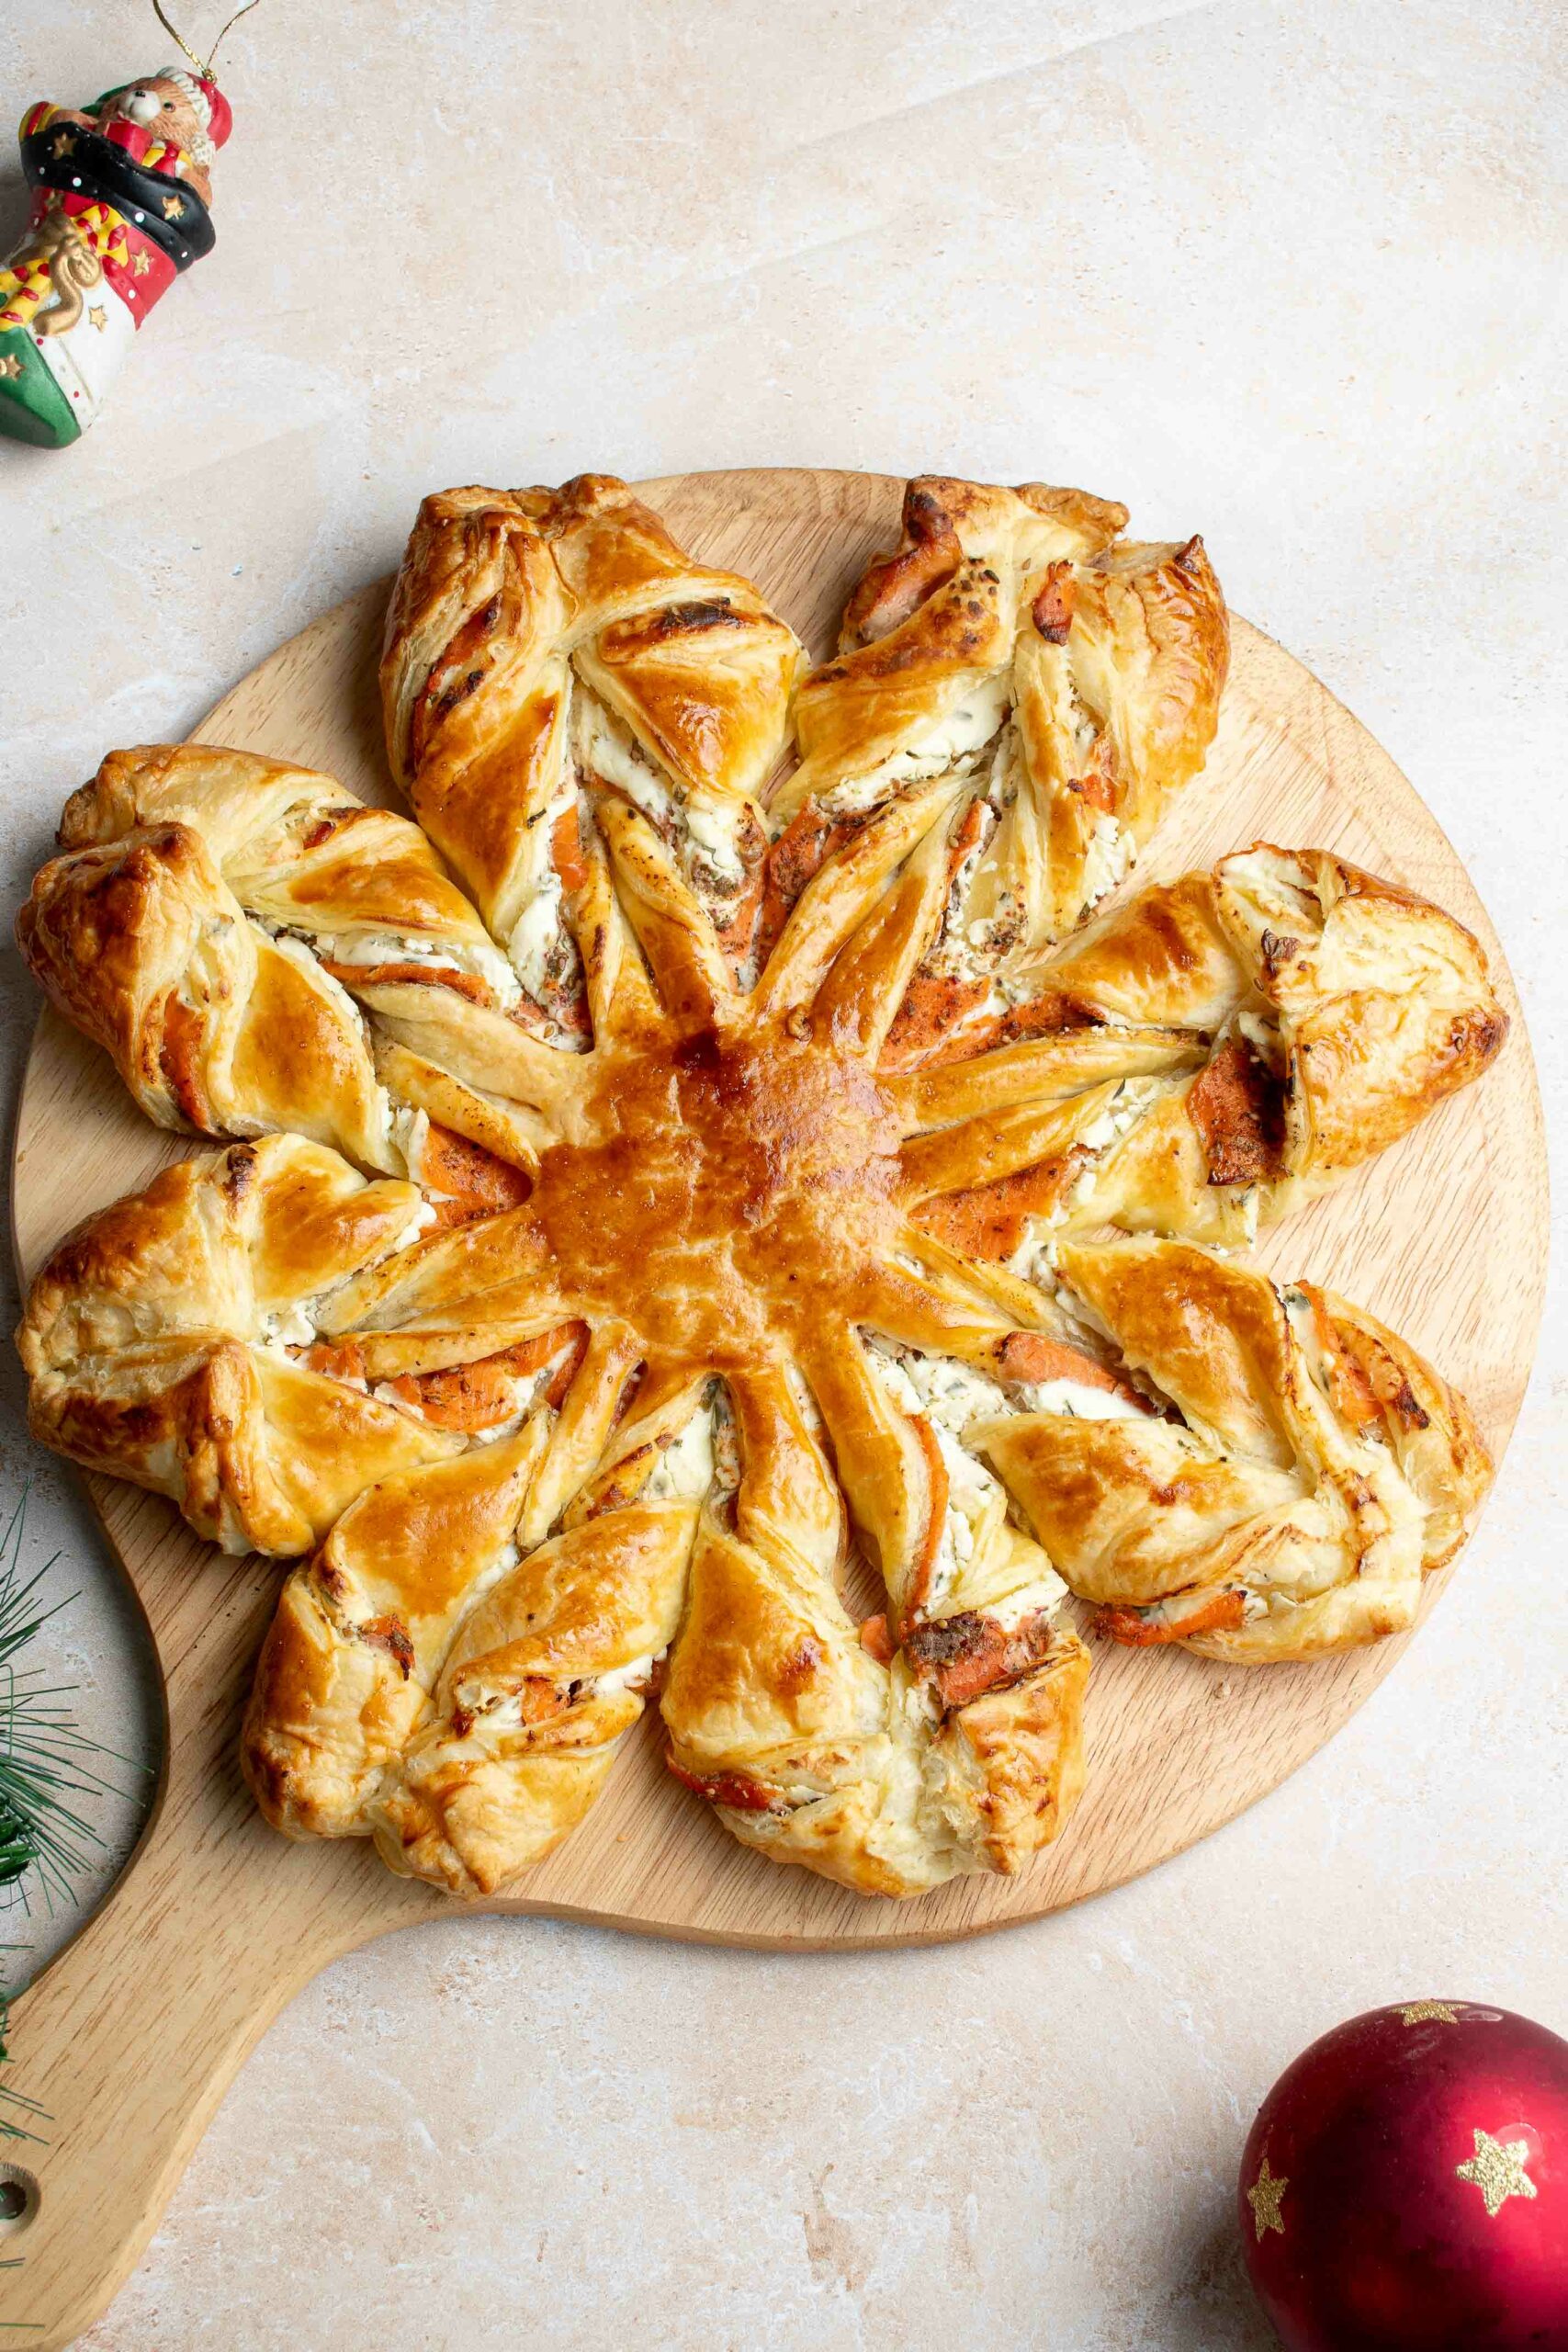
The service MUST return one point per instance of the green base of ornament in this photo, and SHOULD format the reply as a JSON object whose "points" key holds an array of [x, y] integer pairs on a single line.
{"points": [[32, 406]]}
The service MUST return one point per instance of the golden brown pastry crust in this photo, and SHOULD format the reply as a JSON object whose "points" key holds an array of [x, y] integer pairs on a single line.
{"points": [[815, 1749], [208, 922], [1242, 1068], [1073, 677], [737, 1186], [361, 1630], [1383, 1006], [146, 1341], [475, 684], [496, 586], [548, 1672], [541, 641], [1309, 1470], [735, 1191]]}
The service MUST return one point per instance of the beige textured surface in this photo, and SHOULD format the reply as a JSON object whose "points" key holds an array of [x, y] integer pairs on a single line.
{"points": [[1294, 277]]}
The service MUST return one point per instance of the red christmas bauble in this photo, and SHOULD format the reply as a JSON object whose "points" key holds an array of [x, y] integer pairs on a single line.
{"points": [[1404, 2188]]}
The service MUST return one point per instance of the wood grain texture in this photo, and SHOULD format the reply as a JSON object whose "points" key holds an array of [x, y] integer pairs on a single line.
{"points": [[130, 2037]]}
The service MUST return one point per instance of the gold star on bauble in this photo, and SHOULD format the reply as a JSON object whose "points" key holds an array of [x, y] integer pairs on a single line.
{"points": [[10, 368], [99, 316], [172, 208], [65, 144], [1497, 2169], [1265, 2196], [1418, 2012], [140, 265]]}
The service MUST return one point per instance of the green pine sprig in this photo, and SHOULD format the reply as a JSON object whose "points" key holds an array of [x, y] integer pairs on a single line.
{"points": [[44, 1760], [46, 1766], [15, 2104]]}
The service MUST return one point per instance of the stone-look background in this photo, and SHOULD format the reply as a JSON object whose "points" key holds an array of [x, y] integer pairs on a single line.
{"points": [[1294, 276]]}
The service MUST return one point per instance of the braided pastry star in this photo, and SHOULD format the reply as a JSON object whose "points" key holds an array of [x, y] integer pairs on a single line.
{"points": [[763, 1294]]}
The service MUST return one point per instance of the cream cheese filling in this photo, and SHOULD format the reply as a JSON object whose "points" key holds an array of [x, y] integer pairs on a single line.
{"points": [[1077, 1399], [704, 1460], [407, 1132], [706, 827], [1123, 1111], [949, 1395], [953, 742], [683, 1472], [1035, 1257], [634, 1676], [948, 1392], [286, 1328], [503, 1710], [1107, 859], [538, 939], [298, 1324], [1262, 1035]]}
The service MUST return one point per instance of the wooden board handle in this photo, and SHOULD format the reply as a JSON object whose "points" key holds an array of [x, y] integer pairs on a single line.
{"points": [[127, 2042], [130, 2037]]}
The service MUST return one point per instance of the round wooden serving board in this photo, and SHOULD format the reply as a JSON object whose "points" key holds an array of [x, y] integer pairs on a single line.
{"points": [[130, 2037]]}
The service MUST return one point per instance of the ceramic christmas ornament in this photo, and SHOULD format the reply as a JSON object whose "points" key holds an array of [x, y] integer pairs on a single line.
{"points": [[121, 191], [1404, 2188]]}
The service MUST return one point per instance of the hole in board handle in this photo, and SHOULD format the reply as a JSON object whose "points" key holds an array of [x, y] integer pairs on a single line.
{"points": [[19, 2199]]}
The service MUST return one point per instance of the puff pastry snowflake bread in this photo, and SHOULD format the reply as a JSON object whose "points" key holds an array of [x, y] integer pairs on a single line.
{"points": [[621, 1268], [1016, 638], [714, 1353]]}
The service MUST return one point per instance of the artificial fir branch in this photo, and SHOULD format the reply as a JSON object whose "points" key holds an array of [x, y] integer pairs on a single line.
{"points": [[44, 1766], [14, 2104], [43, 1757]]}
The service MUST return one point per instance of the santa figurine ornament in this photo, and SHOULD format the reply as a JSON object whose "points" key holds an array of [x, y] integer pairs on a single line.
{"points": [[119, 209]]}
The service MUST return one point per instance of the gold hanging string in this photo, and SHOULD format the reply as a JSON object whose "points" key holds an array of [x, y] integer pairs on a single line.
{"points": [[204, 71], [158, 12], [228, 29]]}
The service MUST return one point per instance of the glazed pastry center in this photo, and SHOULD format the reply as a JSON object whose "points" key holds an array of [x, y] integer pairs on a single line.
{"points": [[719, 1187]]}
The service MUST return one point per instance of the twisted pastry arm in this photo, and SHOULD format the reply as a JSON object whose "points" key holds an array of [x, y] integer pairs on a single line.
{"points": [[1016, 641], [361, 1630], [212, 922], [1359, 1009], [548, 1673], [143, 947], [541, 640], [1308, 1470], [1205, 1059], [475, 688], [155, 1341], [808, 1742], [448, 1676]]}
